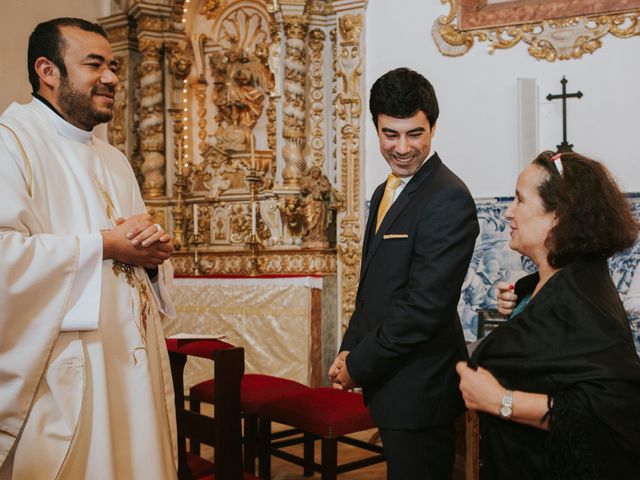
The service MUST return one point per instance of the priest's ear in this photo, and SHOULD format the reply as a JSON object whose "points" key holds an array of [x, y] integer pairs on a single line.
{"points": [[48, 72]]}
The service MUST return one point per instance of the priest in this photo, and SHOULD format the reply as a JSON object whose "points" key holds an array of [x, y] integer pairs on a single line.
{"points": [[85, 385]]}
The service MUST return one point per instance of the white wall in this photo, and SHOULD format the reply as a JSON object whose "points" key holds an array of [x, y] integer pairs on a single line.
{"points": [[19, 18], [477, 129]]}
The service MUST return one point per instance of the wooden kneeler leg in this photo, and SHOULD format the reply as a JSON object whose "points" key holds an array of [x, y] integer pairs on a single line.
{"points": [[194, 446], [250, 442], [329, 458], [308, 453], [264, 448]]}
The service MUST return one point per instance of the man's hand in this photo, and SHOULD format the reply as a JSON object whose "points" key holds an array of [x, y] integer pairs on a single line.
{"points": [[339, 375], [154, 248], [142, 231], [506, 298]]}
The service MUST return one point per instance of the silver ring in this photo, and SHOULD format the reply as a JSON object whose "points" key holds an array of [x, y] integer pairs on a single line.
{"points": [[158, 227]]}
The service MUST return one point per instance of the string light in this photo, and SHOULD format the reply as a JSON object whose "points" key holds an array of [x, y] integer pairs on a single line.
{"points": [[185, 102]]}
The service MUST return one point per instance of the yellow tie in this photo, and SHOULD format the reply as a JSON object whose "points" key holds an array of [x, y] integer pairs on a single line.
{"points": [[393, 182]]}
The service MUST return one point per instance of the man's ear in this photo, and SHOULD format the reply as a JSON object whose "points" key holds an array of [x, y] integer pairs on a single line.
{"points": [[433, 129], [48, 73]]}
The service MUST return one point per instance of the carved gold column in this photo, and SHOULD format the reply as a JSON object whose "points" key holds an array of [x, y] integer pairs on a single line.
{"points": [[276, 93], [122, 38], [350, 92], [295, 28], [152, 119], [200, 89], [316, 42]]}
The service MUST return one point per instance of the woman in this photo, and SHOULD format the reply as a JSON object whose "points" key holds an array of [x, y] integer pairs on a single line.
{"points": [[557, 387]]}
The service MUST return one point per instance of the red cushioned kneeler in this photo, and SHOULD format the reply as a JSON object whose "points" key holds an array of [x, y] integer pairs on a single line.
{"points": [[255, 390], [324, 413]]}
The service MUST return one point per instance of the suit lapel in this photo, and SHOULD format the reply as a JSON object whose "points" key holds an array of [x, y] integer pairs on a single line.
{"points": [[372, 239], [369, 230]]}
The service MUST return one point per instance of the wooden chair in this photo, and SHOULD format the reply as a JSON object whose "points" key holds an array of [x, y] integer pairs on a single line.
{"points": [[224, 431], [320, 413], [255, 390]]}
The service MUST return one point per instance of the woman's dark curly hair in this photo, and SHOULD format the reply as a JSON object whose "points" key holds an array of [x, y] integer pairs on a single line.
{"points": [[593, 215]]}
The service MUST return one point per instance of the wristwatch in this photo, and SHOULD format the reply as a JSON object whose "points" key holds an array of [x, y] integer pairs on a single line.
{"points": [[506, 408]]}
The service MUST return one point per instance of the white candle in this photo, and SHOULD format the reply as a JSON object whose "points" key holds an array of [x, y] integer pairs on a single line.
{"points": [[195, 219], [253, 218], [253, 152]]}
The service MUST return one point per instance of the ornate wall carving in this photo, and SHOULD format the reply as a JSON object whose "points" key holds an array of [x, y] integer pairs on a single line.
{"points": [[349, 110], [236, 94], [559, 30]]}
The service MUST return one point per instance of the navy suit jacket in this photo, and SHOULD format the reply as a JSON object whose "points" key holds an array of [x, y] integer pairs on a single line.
{"points": [[405, 336]]}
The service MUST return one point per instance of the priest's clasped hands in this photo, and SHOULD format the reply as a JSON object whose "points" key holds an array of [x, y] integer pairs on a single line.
{"points": [[339, 375], [137, 241]]}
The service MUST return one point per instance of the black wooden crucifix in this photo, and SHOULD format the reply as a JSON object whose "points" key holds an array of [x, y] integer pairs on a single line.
{"points": [[564, 146]]}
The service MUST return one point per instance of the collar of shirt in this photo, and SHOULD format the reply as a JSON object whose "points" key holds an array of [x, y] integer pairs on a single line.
{"points": [[63, 127], [405, 180]]}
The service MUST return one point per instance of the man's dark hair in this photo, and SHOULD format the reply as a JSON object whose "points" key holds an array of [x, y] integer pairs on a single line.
{"points": [[47, 41], [401, 93], [594, 217]]}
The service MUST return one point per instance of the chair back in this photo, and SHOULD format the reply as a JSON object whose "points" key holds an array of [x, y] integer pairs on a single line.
{"points": [[223, 430]]}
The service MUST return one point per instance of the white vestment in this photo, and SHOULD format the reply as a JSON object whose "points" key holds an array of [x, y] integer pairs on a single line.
{"points": [[85, 384]]}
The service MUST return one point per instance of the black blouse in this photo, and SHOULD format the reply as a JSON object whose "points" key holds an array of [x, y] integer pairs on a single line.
{"points": [[572, 342]]}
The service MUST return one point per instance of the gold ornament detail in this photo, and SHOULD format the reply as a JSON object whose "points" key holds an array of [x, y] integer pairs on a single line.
{"points": [[210, 8], [316, 41], [550, 40], [120, 34], [200, 89], [152, 24], [295, 26], [117, 129], [271, 126], [350, 29], [348, 112], [180, 62], [287, 262]]}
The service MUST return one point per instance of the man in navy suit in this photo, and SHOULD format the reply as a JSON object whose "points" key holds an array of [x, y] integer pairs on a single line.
{"points": [[405, 337]]}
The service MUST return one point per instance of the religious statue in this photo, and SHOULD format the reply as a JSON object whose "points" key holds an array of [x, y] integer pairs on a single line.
{"points": [[317, 203], [241, 79]]}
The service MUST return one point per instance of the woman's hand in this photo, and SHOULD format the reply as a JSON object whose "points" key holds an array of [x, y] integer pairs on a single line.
{"points": [[507, 300], [480, 389], [483, 393]]}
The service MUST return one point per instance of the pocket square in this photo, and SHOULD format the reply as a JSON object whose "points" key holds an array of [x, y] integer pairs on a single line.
{"points": [[390, 236]]}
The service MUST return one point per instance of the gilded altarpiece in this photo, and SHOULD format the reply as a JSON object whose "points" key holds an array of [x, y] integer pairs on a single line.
{"points": [[243, 122]]}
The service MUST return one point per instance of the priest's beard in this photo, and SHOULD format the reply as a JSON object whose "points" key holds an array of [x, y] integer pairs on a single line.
{"points": [[78, 106]]}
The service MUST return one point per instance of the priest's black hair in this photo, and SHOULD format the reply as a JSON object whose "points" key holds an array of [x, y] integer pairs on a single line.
{"points": [[47, 41], [401, 93], [593, 216]]}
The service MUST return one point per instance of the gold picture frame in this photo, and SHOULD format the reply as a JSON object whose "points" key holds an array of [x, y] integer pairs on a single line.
{"points": [[553, 29]]}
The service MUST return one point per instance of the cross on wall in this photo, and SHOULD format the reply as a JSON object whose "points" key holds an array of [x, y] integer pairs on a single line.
{"points": [[564, 146]]}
